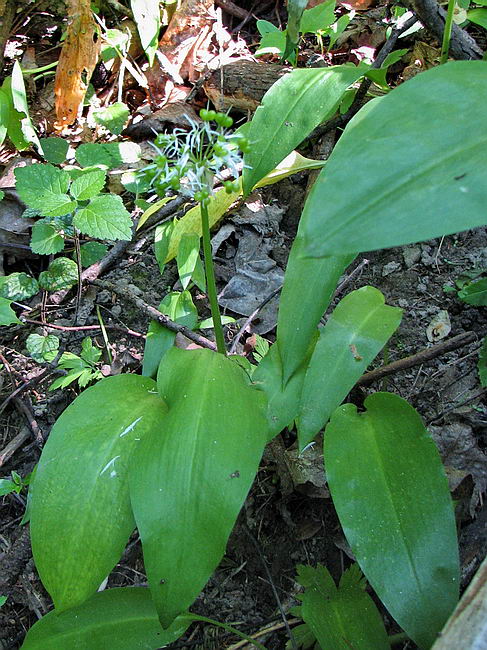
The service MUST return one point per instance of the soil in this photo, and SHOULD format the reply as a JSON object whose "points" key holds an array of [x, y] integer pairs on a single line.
{"points": [[288, 518]]}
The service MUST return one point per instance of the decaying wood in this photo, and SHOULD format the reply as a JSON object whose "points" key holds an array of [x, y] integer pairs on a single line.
{"points": [[241, 85], [77, 61]]}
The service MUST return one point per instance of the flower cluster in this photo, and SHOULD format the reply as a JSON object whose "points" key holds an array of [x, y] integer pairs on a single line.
{"points": [[189, 161]]}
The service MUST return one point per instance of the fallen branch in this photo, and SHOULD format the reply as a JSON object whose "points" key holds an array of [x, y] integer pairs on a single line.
{"points": [[417, 359]]}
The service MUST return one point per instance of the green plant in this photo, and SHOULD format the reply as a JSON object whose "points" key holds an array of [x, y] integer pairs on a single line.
{"points": [[14, 484], [80, 368], [176, 457]]}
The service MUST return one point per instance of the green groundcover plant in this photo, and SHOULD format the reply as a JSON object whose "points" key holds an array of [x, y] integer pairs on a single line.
{"points": [[175, 456]]}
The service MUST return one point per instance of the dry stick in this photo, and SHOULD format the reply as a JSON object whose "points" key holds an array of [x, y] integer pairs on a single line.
{"points": [[20, 389], [420, 357], [16, 442], [155, 314], [232, 9], [80, 328], [479, 393], [248, 320]]}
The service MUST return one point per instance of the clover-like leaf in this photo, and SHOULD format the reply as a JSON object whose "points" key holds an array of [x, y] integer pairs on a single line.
{"points": [[88, 185], [104, 217], [44, 187], [18, 286], [61, 274], [46, 239], [42, 348]]}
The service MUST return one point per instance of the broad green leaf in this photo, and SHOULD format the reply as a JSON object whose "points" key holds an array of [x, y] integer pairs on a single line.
{"points": [[318, 18], [62, 273], [7, 487], [55, 149], [147, 15], [123, 618], [221, 201], [7, 314], [282, 398], [20, 104], [5, 107], [109, 155], [42, 348], [88, 185], [80, 498], [478, 16], [135, 183], [211, 444], [272, 42], [18, 286], [189, 261], [104, 217], [112, 117], [295, 9], [44, 187], [46, 239], [344, 617], [289, 111], [92, 252], [355, 333], [391, 494], [308, 288], [410, 167], [152, 209], [180, 308], [482, 365], [162, 238], [475, 293]]}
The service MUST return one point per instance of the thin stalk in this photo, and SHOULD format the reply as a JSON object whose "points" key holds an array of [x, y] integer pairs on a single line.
{"points": [[445, 46], [210, 279], [228, 628]]}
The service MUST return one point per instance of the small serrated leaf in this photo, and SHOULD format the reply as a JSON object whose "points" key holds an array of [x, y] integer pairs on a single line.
{"points": [[112, 117], [18, 286], [88, 185], [46, 240], [61, 274], [44, 187], [92, 252], [42, 348], [105, 217]]}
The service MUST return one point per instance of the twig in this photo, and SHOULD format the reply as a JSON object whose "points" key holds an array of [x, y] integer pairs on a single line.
{"points": [[26, 411], [16, 442], [420, 357], [248, 320], [80, 328], [479, 393], [263, 632], [20, 389], [273, 587], [155, 314], [232, 9]]}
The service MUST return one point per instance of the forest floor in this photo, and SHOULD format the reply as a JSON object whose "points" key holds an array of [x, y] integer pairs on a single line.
{"points": [[288, 518]]}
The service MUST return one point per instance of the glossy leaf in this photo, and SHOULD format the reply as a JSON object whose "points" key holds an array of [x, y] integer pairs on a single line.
{"points": [[391, 494], [21, 106], [344, 617], [180, 308], [308, 288], [283, 398], [189, 262], [318, 18], [80, 498], [18, 286], [305, 99], [187, 485], [355, 333], [392, 181], [62, 273], [123, 618]]}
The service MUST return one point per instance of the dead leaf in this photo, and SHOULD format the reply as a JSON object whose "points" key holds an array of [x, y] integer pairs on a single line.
{"points": [[439, 327], [77, 61]]}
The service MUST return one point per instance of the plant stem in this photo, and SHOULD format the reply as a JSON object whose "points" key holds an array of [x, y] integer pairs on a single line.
{"points": [[210, 279], [228, 628], [445, 46]]}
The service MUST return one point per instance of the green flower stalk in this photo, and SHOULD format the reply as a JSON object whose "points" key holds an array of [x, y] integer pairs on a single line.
{"points": [[189, 162]]}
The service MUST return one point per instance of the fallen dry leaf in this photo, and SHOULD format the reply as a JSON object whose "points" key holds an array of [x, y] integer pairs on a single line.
{"points": [[77, 61]]}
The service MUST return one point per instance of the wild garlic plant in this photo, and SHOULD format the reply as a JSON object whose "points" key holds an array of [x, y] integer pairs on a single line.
{"points": [[190, 162]]}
